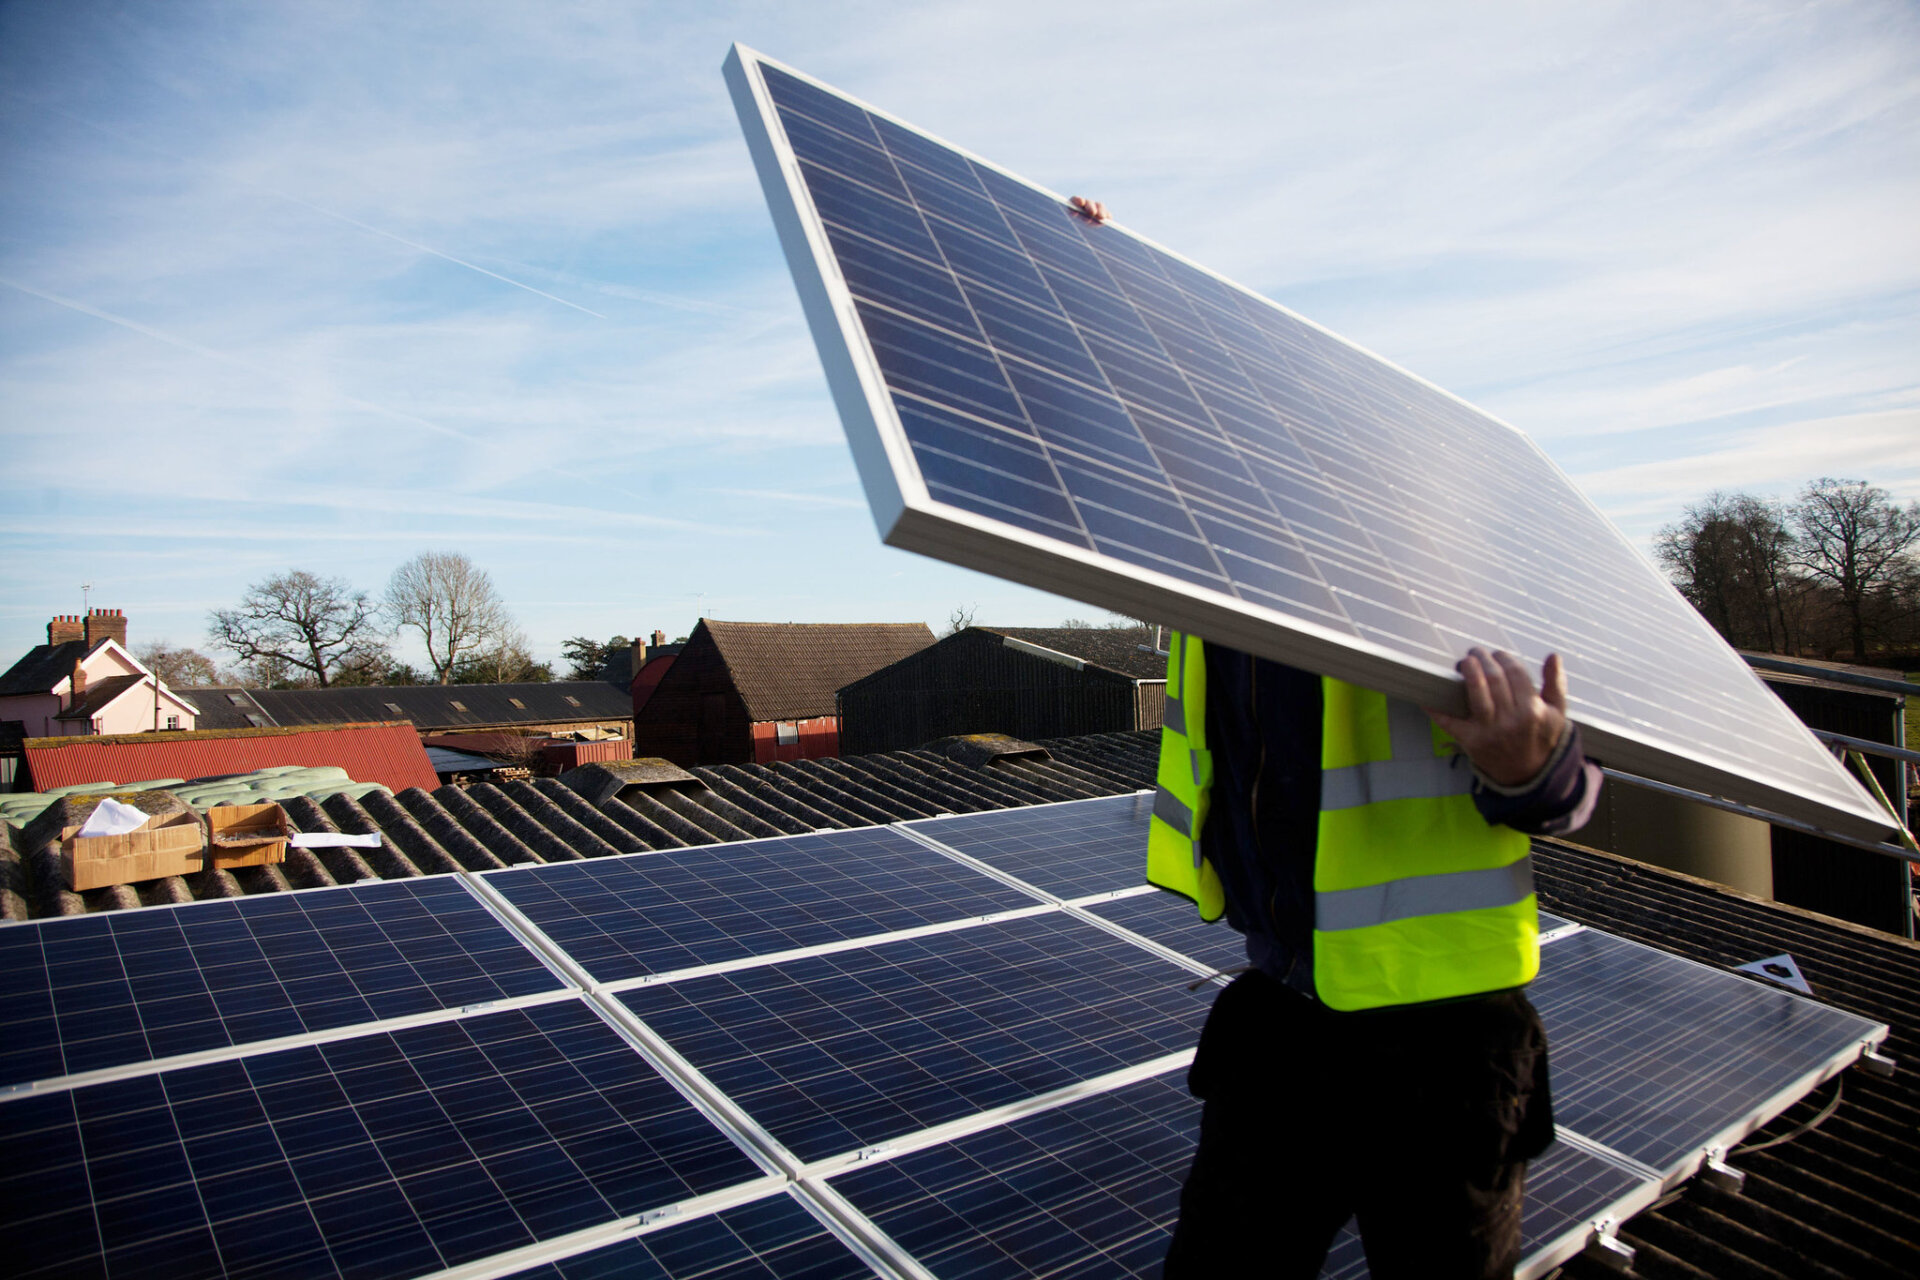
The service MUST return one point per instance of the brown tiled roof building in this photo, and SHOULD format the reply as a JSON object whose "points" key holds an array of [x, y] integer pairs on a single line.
{"points": [[742, 692]]}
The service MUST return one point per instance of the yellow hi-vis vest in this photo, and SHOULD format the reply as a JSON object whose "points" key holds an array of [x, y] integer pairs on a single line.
{"points": [[1416, 896]]}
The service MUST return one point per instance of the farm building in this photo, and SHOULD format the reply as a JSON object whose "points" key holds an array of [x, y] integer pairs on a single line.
{"points": [[1030, 682], [746, 692]]}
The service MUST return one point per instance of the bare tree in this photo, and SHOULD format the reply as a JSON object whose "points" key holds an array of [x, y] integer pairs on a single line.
{"points": [[178, 667], [960, 619], [1731, 556], [505, 661], [298, 621], [451, 602], [1855, 539]]}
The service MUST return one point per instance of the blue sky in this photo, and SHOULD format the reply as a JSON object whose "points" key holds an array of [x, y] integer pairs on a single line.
{"points": [[325, 285]]}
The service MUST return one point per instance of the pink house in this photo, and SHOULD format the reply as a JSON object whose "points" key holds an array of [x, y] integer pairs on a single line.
{"points": [[83, 681]]}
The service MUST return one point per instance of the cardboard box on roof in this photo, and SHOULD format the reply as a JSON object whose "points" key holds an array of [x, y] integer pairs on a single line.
{"points": [[248, 835], [172, 842]]}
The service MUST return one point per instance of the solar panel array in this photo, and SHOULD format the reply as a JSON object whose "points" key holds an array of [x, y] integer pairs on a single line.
{"points": [[970, 1064], [1071, 406]]}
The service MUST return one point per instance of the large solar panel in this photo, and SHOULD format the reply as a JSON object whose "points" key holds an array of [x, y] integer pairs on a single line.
{"points": [[103, 991], [1072, 407], [834, 1053], [654, 913], [389, 1154], [1659, 1058], [774, 1238], [1091, 1188], [1071, 850]]}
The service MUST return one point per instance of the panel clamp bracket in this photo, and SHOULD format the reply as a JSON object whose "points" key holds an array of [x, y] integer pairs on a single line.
{"points": [[874, 1152], [1606, 1247], [1721, 1176], [1876, 1063], [654, 1216]]}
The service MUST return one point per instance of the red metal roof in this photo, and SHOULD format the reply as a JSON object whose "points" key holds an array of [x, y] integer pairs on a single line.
{"points": [[387, 753]]}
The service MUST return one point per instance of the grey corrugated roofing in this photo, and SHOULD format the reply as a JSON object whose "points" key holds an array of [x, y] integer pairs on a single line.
{"points": [[1115, 648], [432, 706], [792, 670], [447, 760], [43, 666], [226, 707]]}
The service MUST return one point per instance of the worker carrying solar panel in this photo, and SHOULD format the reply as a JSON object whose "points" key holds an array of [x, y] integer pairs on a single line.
{"points": [[1378, 1059]]}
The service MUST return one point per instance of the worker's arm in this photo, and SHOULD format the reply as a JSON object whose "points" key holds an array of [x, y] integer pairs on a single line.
{"points": [[1529, 769]]}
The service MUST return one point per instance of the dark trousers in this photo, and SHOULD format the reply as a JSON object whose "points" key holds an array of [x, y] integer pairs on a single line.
{"points": [[1418, 1121]]}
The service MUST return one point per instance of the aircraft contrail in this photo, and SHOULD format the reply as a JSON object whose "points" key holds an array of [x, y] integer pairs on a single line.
{"points": [[120, 136], [415, 244], [208, 352]]}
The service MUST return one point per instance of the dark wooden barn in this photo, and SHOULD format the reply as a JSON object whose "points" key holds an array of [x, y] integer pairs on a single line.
{"points": [[1029, 682], [757, 692]]}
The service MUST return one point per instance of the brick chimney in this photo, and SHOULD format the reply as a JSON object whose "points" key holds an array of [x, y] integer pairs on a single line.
{"points": [[106, 624], [79, 690], [65, 627], [659, 638]]}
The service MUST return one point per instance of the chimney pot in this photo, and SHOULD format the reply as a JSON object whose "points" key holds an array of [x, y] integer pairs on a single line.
{"points": [[105, 624]]}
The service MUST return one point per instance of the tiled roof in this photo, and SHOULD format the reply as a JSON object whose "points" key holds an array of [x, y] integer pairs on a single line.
{"points": [[433, 706], [44, 666], [791, 670], [99, 695], [1115, 648]]}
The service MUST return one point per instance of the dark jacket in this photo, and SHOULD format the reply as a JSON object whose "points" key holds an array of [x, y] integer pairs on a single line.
{"points": [[1263, 727]]}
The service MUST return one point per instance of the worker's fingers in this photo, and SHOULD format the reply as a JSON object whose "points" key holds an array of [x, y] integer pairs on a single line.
{"points": [[1553, 683], [1480, 701], [1516, 681]]}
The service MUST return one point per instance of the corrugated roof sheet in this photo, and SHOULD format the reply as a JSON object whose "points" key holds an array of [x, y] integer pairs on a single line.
{"points": [[389, 754], [1115, 648], [440, 706], [792, 670], [226, 707]]}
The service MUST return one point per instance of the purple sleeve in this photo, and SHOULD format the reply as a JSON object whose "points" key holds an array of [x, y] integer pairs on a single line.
{"points": [[1556, 801]]}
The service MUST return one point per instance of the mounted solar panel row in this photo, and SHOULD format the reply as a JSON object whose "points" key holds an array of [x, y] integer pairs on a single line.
{"points": [[623, 918], [400, 1151], [103, 991], [1069, 406], [389, 1154]]}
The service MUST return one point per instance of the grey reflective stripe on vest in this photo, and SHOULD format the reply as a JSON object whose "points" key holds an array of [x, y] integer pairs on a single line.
{"points": [[1413, 773], [1174, 716], [1173, 811], [1422, 896]]}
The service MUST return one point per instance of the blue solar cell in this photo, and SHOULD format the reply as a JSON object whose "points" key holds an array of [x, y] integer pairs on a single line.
{"points": [[653, 913], [1172, 921], [1068, 850], [836, 1052], [1567, 1188], [1107, 349], [1656, 1057], [124, 987], [389, 1154], [1094, 1182], [770, 1239]]}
